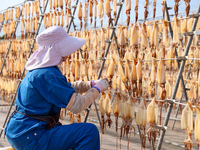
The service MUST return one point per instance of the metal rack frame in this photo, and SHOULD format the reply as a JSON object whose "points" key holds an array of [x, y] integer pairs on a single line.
{"points": [[180, 66], [177, 83], [20, 80]]}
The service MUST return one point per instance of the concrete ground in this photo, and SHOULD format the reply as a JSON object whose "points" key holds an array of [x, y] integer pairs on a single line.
{"points": [[173, 139]]}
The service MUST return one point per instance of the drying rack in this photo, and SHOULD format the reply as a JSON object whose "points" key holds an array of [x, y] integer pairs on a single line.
{"points": [[113, 27]]}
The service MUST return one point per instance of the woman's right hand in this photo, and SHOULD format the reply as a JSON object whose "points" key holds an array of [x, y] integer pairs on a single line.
{"points": [[102, 85]]}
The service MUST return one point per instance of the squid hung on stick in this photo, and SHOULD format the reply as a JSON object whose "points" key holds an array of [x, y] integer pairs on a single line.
{"points": [[100, 11], [107, 107], [144, 36], [163, 8], [136, 10], [102, 110], [60, 4], [187, 7], [91, 10], [134, 79], [77, 70], [197, 126], [95, 13], [58, 18], [152, 119], [85, 14], [56, 5], [22, 28], [161, 82], [122, 42], [127, 73], [50, 4], [176, 31], [80, 14], [66, 3], [128, 11], [90, 70], [103, 43], [153, 79], [69, 6], [116, 112], [29, 9], [111, 69], [127, 114], [134, 40], [115, 9], [139, 78], [107, 10], [141, 121], [154, 8], [187, 124], [165, 33], [176, 7], [1, 17]]}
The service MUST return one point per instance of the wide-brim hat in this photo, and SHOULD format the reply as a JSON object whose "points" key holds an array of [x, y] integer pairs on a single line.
{"points": [[53, 44], [65, 44]]}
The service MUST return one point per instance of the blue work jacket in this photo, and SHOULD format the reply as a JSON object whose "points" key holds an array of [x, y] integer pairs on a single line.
{"points": [[43, 91]]}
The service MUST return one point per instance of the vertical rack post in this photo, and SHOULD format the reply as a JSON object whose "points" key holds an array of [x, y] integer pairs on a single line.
{"points": [[177, 82], [20, 80], [178, 64]]}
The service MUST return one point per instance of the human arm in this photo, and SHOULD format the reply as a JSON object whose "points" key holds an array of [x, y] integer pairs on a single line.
{"points": [[81, 86], [79, 102]]}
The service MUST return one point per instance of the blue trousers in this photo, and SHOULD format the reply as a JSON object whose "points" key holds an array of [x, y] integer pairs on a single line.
{"points": [[78, 136]]}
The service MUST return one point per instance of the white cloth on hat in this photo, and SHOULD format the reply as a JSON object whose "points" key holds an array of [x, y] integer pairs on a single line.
{"points": [[53, 44]]}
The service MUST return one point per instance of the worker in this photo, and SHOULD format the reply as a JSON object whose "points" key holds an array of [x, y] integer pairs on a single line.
{"points": [[34, 124]]}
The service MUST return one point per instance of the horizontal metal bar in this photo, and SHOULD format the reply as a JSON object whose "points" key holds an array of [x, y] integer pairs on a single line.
{"points": [[188, 33], [194, 15], [119, 4], [161, 127], [108, 41], [74, 6], [169, 101]]}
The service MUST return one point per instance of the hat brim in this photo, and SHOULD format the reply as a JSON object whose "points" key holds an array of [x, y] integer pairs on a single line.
{"points": [[69, 45]]}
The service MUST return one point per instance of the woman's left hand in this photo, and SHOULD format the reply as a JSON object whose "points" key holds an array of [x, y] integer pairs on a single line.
{"points": [[94, 82]]}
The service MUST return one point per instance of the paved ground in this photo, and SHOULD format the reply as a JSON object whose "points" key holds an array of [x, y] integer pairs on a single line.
{"points": [[173, 139]]}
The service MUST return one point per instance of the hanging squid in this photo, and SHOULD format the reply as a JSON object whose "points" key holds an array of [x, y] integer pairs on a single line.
{"points": [[128, 11], [161, 82], [154, 8], [187, 124], [141, 121], [152, 119], [163, 8], [79, 13], [108, 11], [187, 7]]}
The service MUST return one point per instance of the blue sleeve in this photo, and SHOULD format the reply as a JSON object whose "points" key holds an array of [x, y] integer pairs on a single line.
{"points": [[55, 89]]}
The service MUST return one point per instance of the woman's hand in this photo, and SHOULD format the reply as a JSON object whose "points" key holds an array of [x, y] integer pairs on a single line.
{"points": [[102, 85], [94, 82]]}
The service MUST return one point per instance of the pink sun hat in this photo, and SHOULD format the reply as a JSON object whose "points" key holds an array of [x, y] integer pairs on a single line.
{"points": [[53, 44]]}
